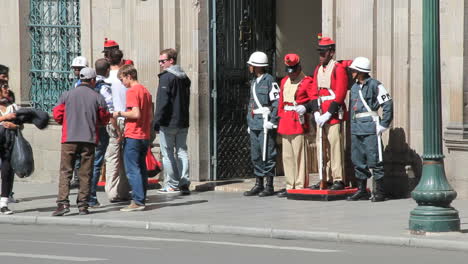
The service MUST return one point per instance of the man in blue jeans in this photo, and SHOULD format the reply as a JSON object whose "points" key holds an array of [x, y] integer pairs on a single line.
{"points": [[171, 121], [138, 118], [102, 67]]}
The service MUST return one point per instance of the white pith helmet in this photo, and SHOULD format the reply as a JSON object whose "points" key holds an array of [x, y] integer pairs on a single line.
{"points": [[80, 61], [258, 59], [361, 64]]}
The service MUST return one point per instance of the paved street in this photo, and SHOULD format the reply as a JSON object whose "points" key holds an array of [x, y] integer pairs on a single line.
{"points": [[231, 213], [49, 244]]}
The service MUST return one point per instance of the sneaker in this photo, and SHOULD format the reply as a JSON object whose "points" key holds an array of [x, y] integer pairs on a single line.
{"points": [[169, 190], [12, 199], [4, 210], [83, 211], [133, 207], [94, 205], [61, 210]]}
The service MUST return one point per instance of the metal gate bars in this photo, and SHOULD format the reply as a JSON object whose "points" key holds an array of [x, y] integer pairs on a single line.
{"points": [[54, 27]]}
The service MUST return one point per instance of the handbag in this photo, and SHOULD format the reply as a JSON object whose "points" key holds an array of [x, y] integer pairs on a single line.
{"points": [[22, 159], [153, 166]]}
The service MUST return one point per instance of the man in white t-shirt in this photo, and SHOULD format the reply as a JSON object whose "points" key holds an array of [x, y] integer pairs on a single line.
{"points": [[117, 187]]}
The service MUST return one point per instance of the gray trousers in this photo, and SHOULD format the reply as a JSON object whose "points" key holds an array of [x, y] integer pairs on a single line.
{"points": [[267, 167], [365, 156]]}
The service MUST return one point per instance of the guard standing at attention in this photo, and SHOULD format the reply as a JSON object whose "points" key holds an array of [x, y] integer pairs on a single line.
{"points": [[262, 120], [329, 88], [367, 96], [294, 125]]}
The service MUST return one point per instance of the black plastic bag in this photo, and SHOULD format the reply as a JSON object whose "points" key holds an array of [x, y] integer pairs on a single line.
{"points": [[22, 160]]}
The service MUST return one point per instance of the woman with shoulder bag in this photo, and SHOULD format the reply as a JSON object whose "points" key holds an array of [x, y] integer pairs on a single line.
{"points": [[7, 115]]}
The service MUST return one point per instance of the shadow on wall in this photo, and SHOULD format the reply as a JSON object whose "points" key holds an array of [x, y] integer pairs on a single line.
{"points": [[403, 166]]}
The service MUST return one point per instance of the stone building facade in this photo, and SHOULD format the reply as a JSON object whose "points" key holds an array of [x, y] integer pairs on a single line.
{"points": [[387, 31]]}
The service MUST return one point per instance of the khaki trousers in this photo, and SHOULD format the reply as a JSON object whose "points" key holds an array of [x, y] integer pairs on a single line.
{"points": [[333, 159], [117, 187], [85, 172], [295, 161]]}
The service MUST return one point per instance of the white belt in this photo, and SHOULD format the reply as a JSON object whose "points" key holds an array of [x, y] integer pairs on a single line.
{"points": [[261, 111], [366, 114], [332, 95], [327, 98], [289, 108]]}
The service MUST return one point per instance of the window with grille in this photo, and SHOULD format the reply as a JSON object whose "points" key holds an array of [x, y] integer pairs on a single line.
{"points": [[54, 27]]}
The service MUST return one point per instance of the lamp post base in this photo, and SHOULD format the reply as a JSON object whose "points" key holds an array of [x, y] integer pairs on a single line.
{"points": [[434, 219]]}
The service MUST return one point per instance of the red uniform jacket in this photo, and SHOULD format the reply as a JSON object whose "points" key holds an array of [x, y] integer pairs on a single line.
{"points": [[339, 85], [289, 120]]}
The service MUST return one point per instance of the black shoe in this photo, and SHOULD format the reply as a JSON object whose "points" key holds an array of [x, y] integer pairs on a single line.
{"points": [[378, 198], [4, 210], [337, 185], [359, 195], [269, 189], [317, 185], [184, 190], [258, 187], [282, 194], [61, 210], [83, 211], [379, 194]]}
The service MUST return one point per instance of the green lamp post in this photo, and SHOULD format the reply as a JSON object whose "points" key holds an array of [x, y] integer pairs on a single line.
{"points": [[433, 193]]}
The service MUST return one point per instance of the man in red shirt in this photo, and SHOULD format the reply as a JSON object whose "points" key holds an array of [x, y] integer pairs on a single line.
{"points": [[294, 125], [138, 118], [329, 88]]}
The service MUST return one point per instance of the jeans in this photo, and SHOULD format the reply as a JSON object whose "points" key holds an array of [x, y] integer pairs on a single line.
{"points": [[176, 165], [135, 167], [98, 161]]}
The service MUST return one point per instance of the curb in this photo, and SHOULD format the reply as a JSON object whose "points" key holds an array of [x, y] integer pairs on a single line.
{"points": [[243, 231]]}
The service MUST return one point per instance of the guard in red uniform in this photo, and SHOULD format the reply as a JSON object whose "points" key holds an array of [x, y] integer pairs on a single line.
{"points": [[329, 88], [109, 45], [293, 125]]}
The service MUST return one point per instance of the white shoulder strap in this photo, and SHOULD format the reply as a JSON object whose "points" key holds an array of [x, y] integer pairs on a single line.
{"points": [[364, 101], [254, 94]]}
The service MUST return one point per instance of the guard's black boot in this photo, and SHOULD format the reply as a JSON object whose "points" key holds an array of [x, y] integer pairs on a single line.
{"points": [[379, 194], [362, 193], [282, 194], [258, 187], [269, 189]]}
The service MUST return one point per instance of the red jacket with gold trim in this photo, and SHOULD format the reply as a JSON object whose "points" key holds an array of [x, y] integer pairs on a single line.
{"points": [[339, 85], [289, 123]]}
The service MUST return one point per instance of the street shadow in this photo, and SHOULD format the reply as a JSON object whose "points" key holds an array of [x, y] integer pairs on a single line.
{"points": [[43, 209], [402, 165], [29, 199], [210, 186], [162, 205]]}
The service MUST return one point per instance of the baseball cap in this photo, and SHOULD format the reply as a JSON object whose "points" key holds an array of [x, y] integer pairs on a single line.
{"points": [[87, 73]]}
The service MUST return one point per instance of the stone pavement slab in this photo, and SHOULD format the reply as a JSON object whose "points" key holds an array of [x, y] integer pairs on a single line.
{"points": [[230, 212]]}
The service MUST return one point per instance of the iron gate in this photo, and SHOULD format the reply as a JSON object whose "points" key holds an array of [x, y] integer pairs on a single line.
{"points": [[242, 27], [54, 27]]}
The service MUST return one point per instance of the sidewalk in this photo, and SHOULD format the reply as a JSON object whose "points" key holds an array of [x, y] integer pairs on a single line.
{"points": [[230, 212]]}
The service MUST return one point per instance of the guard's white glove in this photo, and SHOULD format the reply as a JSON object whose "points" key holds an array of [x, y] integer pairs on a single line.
{"points": [[268, 125], [316, 116], [300, 109], [380, 129], [323, 119], [248, 130]]}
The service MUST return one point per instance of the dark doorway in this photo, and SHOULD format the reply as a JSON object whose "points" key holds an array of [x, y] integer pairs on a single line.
{"points": [[242, 27]]}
